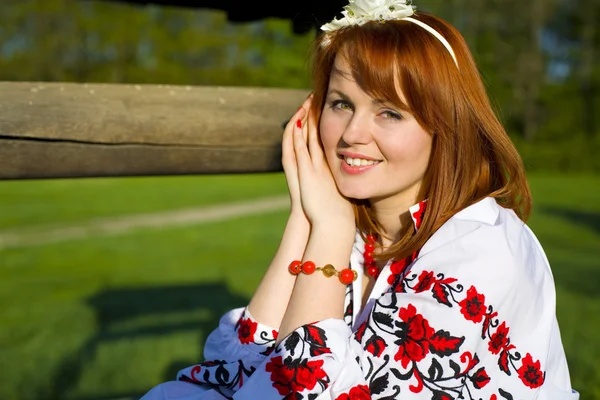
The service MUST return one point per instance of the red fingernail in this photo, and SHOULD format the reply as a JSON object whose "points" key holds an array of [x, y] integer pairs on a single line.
{"points": [[299, 124]]}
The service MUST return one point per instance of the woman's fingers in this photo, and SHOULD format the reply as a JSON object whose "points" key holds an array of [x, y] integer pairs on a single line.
{"points": [[288, 133], [314, 145], [306, 105], [299, 133], [300, 114], [300, 148]]}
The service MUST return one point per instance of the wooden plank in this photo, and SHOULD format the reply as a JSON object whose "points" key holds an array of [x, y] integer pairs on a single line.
{"points": [[20, 159], [52, 130]]}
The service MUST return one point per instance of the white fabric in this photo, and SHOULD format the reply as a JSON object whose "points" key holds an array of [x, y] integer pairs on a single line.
{"points": [[409, 338]]}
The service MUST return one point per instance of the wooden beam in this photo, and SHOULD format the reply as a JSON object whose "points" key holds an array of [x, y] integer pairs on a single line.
{"points": [[58, 130]]}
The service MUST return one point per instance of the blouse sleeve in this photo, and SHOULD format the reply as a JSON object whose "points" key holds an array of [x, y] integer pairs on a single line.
{"points": [[316, 361], [232, 352], [240, 336]]}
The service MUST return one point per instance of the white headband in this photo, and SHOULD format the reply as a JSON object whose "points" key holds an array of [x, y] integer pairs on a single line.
{"points": [[358, 12]]}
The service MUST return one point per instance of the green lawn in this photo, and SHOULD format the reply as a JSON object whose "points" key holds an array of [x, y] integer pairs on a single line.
{"points": [[109, 317]]}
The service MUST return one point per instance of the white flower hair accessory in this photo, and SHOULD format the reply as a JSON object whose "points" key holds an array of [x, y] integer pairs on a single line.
{"points": [[359, 12]]}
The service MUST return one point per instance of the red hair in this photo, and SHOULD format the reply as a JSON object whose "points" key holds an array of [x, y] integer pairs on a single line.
{"points": [[472, 157]]}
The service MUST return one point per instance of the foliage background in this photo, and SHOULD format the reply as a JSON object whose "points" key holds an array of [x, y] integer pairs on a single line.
{"points": [[109, 317]]}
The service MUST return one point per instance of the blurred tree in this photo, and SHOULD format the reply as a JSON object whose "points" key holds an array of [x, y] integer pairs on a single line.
{"points": [[311, 15], [85, 41]]}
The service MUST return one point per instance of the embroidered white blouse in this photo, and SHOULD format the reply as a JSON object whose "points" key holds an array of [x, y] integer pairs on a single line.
{"points": [[471, 317]]}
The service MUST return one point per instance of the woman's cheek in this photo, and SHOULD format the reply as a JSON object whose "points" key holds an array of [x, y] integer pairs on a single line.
{"points": [[329, 138]]}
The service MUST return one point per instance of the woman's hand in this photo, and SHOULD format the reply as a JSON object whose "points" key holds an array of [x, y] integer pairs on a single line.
{"points": [[288, 157], [269, 303], [332, 228], [321, 201]]}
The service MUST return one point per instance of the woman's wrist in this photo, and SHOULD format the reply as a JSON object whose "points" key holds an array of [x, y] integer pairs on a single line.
{"points": [[296, 211], [319, 296], [338, 232], [269, 303], [298, 222]]}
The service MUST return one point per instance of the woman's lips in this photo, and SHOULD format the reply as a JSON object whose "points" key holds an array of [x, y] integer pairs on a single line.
{"points": [[357, 164]]}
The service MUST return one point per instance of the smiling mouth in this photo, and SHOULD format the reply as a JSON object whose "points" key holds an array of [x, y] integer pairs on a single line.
{"points": [[358, 162]]}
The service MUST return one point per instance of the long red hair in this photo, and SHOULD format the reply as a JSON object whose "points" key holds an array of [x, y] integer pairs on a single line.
{"points": [[472, 157]]}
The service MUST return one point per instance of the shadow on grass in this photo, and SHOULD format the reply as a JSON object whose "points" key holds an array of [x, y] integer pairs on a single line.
{"points": [[117, 311], [577, 270], [587, 218], [577, 277]]}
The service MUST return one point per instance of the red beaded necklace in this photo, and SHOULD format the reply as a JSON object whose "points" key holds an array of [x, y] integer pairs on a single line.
{"points": [[371, 266], [369, 261]]}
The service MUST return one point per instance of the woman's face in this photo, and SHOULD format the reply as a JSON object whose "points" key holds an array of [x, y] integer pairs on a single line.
{"points": [[374, 150]]}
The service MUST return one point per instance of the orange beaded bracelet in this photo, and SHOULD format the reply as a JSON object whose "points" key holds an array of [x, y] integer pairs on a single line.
{"points": [[346, 276]]}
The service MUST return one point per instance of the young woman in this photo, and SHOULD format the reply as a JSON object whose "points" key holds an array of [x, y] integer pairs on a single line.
{"points": [[406, 270]]}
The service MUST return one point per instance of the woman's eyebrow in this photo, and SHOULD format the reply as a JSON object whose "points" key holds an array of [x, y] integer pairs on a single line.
{"points": [[377, 102], [339, 93]]}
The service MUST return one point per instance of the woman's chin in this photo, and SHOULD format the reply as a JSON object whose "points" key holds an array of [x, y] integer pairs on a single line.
{"points": [[354, 193]]}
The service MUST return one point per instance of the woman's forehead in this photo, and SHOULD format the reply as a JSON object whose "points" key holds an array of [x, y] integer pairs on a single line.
{"points": [[343, 71], [341, 68]]}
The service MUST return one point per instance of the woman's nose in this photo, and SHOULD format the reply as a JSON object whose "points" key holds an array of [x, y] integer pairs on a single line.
{"points": [[357, 131]]}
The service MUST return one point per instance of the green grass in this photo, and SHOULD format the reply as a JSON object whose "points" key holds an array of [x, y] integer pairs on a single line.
{"points": [[566, 219], [111, 316], [50, 202]]}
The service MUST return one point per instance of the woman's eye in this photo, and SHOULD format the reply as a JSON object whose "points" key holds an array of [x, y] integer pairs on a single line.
{"points": [[340, 105], [391, 115]]}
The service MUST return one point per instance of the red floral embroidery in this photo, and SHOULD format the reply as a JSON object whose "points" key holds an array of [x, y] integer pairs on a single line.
{"points": [[530, 372], [196, 372], [315, 337], [416, 338], [442, 344], [413, 336], [472, 361], [473, 307], [398, 267], [499, 339], [486, 323], [293, 376], [217, 372], [397, 270], [419, 387], [503, 362], [246, 330], [360, 392], [375, 345], [358, 335], [419, 214], [480, 378], [426, 280]]}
